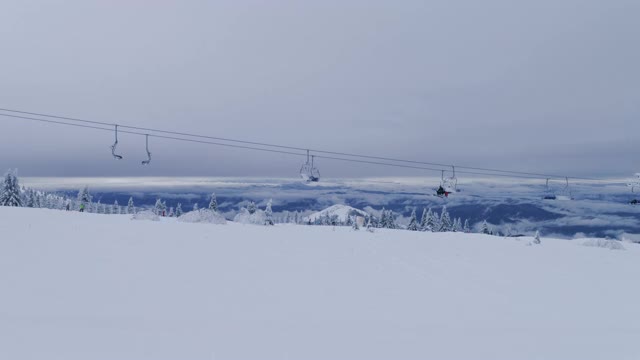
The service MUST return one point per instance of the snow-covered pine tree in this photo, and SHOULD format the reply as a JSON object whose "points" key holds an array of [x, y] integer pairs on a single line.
{"points": [[433, 221], [296, 218], [99, 209], [423, 219], [457, 225], [37, 200], [179, 210], [268, 214], [157, 208], [383, 218], [466, 227], [116, 208], [413, 222], [252, 207], [10, 190], [84, 197], [130, 206], [370, 227], [213, 204], [31, 198], [536, 239], [445, 220], [354, 224], [391, 220], [485, 228], [171, 213]]}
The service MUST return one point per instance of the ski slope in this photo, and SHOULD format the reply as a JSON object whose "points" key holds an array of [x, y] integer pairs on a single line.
{"points": [[88, 286]]}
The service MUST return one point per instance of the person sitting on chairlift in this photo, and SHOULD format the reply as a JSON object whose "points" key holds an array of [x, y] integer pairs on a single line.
{"points": [[441, 192]]}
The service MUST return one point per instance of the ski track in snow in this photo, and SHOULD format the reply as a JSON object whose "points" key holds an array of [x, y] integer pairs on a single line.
{"points": [[89, 286]]}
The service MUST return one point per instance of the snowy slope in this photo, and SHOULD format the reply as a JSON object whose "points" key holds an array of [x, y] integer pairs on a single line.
{"points": [[87, 286], [341, 211]]}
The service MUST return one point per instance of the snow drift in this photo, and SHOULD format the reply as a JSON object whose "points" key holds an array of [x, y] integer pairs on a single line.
{"points": [[203, 216], [603, 243], [145, 215], [341, 211], [88, 286]]}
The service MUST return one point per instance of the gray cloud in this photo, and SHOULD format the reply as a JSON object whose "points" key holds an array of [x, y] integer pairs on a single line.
{"points": [[538, 85]]}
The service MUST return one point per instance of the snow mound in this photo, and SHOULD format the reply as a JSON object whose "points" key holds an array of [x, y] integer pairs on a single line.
{"points": [[257, 218], [341, 211], [604, 243], [203, 216], [145, 215]]}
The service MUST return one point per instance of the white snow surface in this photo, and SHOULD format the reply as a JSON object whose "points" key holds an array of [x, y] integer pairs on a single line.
{"points": [[205, 216], [89, 286], [145, 215], [342, 211], [604, 243]]}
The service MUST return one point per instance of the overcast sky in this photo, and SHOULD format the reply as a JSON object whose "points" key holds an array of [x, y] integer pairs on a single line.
{"points": [[524, 85]]}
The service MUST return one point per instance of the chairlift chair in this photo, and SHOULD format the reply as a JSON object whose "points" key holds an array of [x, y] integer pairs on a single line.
{"points": [[548, 193], [448, 185], [113, 147], [148, 161], [564, 194], [308, 171]]}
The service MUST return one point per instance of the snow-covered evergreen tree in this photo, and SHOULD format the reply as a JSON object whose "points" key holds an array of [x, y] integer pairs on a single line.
{"points": [[30, 196], [383, 218], [433, 221], [130, 205], [536, 239], [157, 208], [370, 227], [10, 190], [348, 221], [252, 207], [84, 197], [424, 218], [466, 227], [179, 210], [445, 220], [354, 224], [413, 222], [116, 208], [213, 204], [268, 214], [171, 213], [99, 209], [485, 228]]}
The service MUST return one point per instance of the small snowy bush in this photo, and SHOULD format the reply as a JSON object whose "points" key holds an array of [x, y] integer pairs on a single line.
{"points": [[203, 216], [145, 215], [258, 217], [604, 243]]}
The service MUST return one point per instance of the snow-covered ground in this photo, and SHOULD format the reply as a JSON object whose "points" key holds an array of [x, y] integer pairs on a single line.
{"points": [[87, 286]]}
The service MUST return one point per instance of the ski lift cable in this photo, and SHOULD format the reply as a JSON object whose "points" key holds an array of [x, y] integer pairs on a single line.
{"points": [[493, 172], [297, 148], [265, 150]]}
